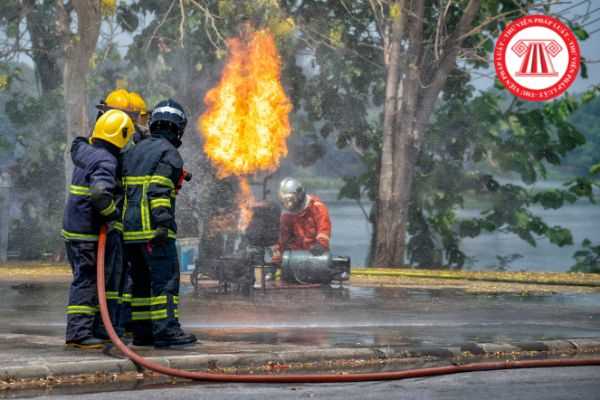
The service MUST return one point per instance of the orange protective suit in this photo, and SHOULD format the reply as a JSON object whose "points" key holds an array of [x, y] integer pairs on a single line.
{"points": [[301, 230]]}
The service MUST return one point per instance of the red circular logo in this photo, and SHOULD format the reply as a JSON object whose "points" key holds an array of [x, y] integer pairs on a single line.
{"points": [[537, 57]]}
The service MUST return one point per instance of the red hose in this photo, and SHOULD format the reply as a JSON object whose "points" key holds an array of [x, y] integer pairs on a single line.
{"points": [[307, 378]]}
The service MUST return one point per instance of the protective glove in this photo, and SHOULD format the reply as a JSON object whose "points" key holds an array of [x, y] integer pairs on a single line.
{"points": [[317, 249], [276, 259], [275, 255], [161, 235]]}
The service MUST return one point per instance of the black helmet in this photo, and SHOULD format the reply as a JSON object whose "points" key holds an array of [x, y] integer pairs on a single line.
{"points": [[169, 116]]}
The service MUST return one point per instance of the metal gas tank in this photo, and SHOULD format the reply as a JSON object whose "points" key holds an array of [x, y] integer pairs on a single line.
{"points": [[300, 266]]}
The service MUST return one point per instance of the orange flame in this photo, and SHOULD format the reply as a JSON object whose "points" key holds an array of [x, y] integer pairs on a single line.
{"points": [[245, 202], [245, 125]]}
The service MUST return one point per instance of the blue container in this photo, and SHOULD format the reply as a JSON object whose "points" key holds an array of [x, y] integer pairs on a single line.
{"points": [[188, 251]]}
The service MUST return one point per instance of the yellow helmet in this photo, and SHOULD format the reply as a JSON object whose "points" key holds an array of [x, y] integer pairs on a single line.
{"points": [[137, 106], [114, 126], [118, 99]]}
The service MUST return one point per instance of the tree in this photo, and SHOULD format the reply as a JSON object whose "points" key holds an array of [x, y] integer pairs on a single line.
{"points": [[413, 85], [41, 30], [60, 54]]}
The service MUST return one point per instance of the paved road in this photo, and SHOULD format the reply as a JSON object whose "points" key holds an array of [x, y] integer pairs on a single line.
{"points": [[350, 317], [533, 384]]}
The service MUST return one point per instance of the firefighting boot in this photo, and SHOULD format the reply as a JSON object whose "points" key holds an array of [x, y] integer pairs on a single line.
{"points": [[181, 339]]}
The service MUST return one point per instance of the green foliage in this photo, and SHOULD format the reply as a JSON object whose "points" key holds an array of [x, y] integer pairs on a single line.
{"points": [[587, 120], [578, 30], [587, 259], [508, 137]]}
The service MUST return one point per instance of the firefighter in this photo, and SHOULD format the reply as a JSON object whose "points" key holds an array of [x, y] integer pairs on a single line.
{"points": [[90, 204], [304, 224], [136, 109], [139, 113], [152, 172], [131, 103], [118, 99]]}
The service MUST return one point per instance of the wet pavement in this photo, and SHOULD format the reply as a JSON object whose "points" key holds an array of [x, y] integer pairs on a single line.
{"points": [[325, 317], [293, 322]]}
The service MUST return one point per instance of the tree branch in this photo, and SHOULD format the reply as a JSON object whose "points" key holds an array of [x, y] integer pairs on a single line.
{"points": [[181, 23], [209, 17], [448, 62], [441, 24], [378, 16], [159, 26]]}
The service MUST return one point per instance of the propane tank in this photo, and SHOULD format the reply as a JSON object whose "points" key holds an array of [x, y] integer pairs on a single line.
{"points": [[301, 266]]}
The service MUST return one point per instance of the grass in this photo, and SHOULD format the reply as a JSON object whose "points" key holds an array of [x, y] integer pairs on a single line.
{"points": [[34, 271], [538, 278]]}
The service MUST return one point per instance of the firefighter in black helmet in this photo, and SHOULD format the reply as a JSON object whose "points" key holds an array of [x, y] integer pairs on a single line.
{"points": [[152, 171]]}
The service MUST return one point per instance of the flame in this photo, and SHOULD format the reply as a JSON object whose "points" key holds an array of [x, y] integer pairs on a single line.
{"points": [[245, 201], [245, 126]]}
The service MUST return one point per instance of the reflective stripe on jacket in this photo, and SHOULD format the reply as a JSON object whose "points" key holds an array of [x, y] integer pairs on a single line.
{"points": [[150, 171], [301, 230], [94, 164]]}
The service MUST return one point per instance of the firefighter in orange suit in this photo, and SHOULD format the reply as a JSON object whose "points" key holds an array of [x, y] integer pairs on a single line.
{"points": [[304, 223]]}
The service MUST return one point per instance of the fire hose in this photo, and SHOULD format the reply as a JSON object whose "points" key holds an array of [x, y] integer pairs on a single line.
{"points": [[306, 378]]}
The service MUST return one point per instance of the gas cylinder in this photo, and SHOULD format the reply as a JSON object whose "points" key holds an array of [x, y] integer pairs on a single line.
{"points": [[301, 266]]}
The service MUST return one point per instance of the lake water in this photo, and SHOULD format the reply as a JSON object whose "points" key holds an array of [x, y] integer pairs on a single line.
{"points": [[351, 234]]}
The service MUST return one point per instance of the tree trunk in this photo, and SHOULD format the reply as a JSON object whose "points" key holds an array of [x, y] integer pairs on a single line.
{"points": [[385, 227], [78, 47]]}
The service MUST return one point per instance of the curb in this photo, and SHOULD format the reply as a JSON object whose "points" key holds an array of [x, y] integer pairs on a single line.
{"points": [[314, 356]]}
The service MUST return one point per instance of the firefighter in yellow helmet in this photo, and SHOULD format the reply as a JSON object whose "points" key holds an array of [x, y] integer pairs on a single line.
{"points": [[131, 103], [116, 100], [91, 203]]}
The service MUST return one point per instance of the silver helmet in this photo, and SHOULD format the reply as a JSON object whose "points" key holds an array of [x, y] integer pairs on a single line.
{"points": [[292, 194]]}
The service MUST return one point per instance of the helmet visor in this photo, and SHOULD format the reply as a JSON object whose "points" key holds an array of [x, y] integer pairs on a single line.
{"points": [[291, 201]]}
